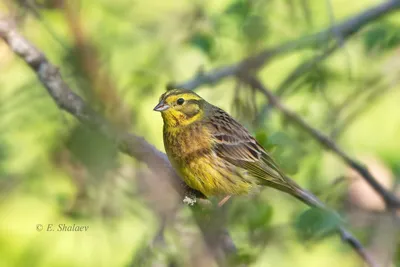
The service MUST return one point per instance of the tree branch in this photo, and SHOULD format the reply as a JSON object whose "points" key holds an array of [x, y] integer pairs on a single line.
{"points": [[345, 29], [130, 144], [66, 99], [391, 201]]}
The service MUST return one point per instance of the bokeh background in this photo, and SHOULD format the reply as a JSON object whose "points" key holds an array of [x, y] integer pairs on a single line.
{"points": [[119, 56]]}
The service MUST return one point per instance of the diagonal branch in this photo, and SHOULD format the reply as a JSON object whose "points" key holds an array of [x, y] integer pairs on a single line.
{"points": [[66, 99], [130, 144], [345, 29], [391, 201]]}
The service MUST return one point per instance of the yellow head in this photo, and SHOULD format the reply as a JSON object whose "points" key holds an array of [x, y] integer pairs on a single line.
{"points": [[180, 107]]}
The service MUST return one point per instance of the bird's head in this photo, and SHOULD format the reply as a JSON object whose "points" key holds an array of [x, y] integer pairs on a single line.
{"points": [[180, 107]]}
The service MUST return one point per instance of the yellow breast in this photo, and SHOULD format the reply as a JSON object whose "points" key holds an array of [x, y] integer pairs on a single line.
{"points": [[190, 150]]}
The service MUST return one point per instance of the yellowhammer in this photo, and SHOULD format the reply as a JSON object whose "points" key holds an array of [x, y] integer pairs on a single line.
{"points": [[215, 154]]}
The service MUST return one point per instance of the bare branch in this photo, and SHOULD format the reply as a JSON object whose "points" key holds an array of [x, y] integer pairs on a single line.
{"points": [[66, 99], [390, 200], [345, 29], [130, 144]]}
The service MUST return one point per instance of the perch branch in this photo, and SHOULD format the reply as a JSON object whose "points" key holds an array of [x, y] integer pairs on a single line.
{"points": [[390, 200], [130, 144]]}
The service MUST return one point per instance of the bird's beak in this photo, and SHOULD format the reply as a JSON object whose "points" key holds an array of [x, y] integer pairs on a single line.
{"points": [[161, 106]]}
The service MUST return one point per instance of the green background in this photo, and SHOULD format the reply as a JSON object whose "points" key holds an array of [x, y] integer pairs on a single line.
{"points": [[52, 170]]}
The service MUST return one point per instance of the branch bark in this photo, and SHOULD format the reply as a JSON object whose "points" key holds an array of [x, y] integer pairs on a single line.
{"points": [[130, 144], [138, 148], [345, 29], [392, 202]]}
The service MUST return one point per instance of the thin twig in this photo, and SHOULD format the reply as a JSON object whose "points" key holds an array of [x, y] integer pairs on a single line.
{"points": [[340, 40], [66, 99], [345, 235], [390, 200], [346, 29], [374, 96], [32, 8], [369, 84], [130, 144], [311, 200], [303, 68]]}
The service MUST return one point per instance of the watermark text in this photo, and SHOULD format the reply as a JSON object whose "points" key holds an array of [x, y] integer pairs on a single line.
{"points": [[62, 227]]}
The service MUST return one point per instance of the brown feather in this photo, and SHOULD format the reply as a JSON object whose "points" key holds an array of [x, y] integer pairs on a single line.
{"points": [[214, 153], [234, 144]]}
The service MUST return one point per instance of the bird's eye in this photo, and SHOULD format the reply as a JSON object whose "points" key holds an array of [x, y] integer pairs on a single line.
{"points": [[180, 101]]}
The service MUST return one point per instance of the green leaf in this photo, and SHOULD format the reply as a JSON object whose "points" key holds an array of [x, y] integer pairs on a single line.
{"points": [[255, 28], [203, 41], [279, 138], [383, 36], [239, 8], [92, 149], [260, 218], [286, 151], [262, 138], [315, 223]]}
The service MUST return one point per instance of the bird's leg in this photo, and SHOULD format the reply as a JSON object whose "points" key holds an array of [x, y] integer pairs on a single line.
{"points": [[223, 201]]}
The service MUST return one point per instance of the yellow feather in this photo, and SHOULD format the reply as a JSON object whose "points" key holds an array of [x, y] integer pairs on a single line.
{"points": [[212, 152]]}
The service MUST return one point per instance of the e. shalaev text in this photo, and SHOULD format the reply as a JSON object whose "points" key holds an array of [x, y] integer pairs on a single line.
{"points": [[62, 227]]}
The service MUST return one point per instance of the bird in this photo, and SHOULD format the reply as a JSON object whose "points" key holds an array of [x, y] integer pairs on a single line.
{"points": [[215, 154]]}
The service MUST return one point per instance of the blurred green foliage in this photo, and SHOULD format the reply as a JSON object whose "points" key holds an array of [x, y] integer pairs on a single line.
{"points": [[314, 223], [382, 37], [53, 170]]}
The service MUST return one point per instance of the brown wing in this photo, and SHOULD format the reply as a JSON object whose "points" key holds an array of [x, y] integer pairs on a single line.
{"points": [[233, 143]]}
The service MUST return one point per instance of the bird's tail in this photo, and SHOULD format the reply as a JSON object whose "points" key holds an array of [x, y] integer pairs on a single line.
{"points": [[303, 195], [287, 185]]}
